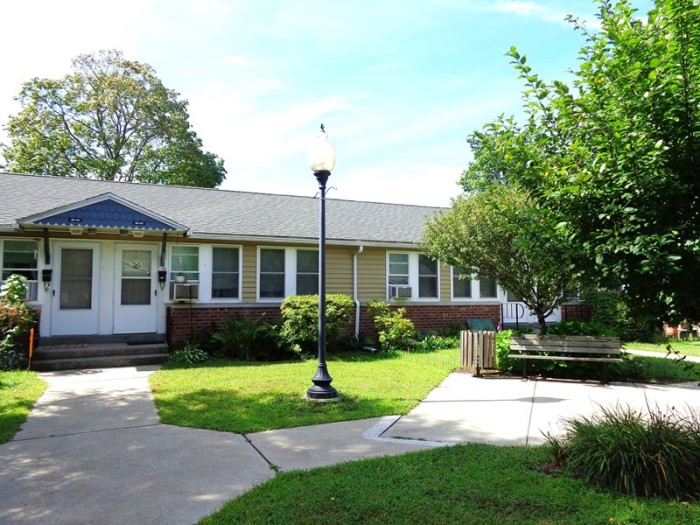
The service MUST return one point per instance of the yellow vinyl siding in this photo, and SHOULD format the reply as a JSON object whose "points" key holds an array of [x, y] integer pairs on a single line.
{"points": [[250, 268], [371, 275], [445, 284], [339, 269]]}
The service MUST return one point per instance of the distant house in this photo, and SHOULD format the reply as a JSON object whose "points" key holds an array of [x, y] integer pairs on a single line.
{"points": [[108, 258]]}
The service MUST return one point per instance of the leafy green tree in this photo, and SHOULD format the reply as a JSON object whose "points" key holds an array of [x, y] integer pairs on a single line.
{"points": [[499, 233], [615, 155], [110, 118]]}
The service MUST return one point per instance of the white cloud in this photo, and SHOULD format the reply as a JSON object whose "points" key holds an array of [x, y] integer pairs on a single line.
{"points": [[535, 10]]}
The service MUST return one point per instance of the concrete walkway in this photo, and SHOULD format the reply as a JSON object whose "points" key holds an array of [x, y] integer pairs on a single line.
{"points": [[93, 451]]}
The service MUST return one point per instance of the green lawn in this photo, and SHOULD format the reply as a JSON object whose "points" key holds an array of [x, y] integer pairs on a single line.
{"points": [[19, 390], [666, 370], [248, 397], [684, 347], [470, 483]]}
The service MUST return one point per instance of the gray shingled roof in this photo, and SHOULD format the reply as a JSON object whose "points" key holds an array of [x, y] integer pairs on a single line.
{"points": [[221, 213]]}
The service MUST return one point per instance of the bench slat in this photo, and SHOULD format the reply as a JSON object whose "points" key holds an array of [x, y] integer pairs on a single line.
{"points": [[566, 341], [574, 338], [565, 350], [565, 344], [567, 358]]}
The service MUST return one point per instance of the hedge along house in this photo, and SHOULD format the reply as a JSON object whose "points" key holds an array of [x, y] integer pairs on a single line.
{"points": [[106, 258]]}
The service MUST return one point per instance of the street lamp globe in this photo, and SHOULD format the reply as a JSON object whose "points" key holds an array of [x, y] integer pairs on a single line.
{"points": [[321, 153]]}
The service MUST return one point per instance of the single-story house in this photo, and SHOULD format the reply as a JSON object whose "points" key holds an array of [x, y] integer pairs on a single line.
{"points": [[106, 258]]}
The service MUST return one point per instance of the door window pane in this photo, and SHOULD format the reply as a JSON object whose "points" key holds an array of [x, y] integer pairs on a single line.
{"points": [[136, 277], [136, 291], [136, 263], [225, 273], [76, 279]]}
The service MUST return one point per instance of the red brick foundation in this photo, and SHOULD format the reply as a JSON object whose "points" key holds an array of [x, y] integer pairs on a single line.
{"points": [[436, 317], [182, 322]]}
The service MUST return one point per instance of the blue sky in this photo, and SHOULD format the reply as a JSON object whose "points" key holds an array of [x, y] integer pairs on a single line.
{"points": [[398, 84]]}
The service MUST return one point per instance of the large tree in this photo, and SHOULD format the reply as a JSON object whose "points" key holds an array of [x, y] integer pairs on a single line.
{"points": [[110, 118], [499, 233], [615, 154]]}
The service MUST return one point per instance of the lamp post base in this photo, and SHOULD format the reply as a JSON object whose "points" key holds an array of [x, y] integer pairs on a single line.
{"points": [[322, 389], [322, 396]]}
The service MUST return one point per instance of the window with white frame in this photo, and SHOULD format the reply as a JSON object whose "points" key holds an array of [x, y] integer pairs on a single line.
{"points": [[307, 272], [225, 273], [287, 271], [488, 289], [398, 269], [464, 287], [412, 276], [184, 261], [427, 277], [512, 298], [461, 284], [271, 275], [21, 257]]}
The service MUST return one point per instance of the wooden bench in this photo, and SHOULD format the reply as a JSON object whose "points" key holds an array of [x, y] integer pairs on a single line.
{"points": [[602, 350]]}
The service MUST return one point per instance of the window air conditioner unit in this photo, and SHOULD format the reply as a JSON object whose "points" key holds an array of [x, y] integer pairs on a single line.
{"points": [[184, 291], [396, 292]]}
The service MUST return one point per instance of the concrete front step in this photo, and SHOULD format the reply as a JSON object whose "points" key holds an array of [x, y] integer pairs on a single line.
{"points": [[71, 357]]}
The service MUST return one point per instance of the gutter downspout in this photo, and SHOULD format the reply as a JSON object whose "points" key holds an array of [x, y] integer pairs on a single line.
{"points": [[354, 289]]}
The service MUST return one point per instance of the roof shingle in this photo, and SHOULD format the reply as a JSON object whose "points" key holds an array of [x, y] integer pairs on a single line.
{"points": [[221, 213]]}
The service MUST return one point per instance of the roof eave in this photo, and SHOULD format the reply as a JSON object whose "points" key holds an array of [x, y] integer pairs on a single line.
{"points": [[298, 240]]}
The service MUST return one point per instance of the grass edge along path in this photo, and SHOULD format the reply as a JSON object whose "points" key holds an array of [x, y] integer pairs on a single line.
{"points": [[691, 348], [470, 483], [246, 397], [19, 390]]}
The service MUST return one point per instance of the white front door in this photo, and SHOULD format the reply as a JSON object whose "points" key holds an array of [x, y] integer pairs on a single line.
{"points": [[74, 301], [135, 293]]}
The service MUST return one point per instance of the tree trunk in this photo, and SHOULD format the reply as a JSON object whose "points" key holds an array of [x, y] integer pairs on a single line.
{"points": [[541, 322]]}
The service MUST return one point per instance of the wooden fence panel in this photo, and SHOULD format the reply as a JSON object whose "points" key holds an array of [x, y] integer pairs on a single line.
{"points": [[477, 350]]}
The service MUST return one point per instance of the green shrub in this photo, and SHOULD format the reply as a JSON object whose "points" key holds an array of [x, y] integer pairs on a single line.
{"points": [[394, 331], [609, 309], [453, 329], [433, 343], [190, 354], [15, 320], [300, 320], [581, 328], [654, 454], [204, 339], [504, 363], [249, 340]]}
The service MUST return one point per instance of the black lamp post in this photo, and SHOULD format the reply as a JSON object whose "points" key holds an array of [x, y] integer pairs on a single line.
{"points": [[321, 162]]}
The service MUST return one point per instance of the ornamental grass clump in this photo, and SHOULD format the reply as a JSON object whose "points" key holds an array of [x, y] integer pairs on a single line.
{"points": [[634, 453]]}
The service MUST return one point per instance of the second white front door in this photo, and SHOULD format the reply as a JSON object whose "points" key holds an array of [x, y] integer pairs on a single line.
{"points": [[136, 289]]}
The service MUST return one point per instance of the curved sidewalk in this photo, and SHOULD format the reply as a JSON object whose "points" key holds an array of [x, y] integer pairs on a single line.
{"points": [[93, 451]]}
